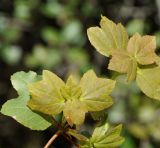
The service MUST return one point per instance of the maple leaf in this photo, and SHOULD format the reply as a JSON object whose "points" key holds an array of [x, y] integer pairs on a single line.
{"points": [[52, 96], [104, 137], [109, 38]]}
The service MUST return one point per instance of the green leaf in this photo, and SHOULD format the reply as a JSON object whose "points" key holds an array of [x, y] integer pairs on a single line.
{"points": [[104, 137], [52, 96], [95, 91], [17, 108], [110, 37], [149, 81], [20, 80], [107, 137]]}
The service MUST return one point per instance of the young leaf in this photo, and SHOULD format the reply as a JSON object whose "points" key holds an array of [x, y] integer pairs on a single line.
{"points": [[95, 91], [149, 81], [46, 96], [119, 62], [17, 109], [132, 70], [104, 137], [110, 37], [75, 134], [74, 112], [142, 48], [51, 96]]}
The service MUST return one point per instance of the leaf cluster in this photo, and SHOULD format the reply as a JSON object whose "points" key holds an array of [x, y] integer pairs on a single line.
{"points": [[41, 98], [134, 56]]}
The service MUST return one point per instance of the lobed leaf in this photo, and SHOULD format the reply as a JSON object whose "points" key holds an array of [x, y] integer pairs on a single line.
{"points": [[142, 48], [95, 91], [52, 96], [119, 62], [74, 112], [46, 95], [17, 108], [149, 81], [104, 137], [109, 38]]}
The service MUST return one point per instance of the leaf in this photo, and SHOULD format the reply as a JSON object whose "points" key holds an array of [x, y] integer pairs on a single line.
{"points": [[104, 137], [132, 70], [20, 80], [142, 48], [52, 96], [110, 37], [99, 131], [119, 62], [17, 109], [74, 112], [95, 91], [75, 134], [46, 96], [149, 81]]}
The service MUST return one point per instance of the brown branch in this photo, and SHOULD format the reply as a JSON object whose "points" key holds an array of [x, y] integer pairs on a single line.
{"points": [[53, 138], [63, 132]]}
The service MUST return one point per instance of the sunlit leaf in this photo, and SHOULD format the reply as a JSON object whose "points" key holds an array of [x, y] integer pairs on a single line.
{"points": [[105, 137], [119, 62], [95, 91], [17, 108], [142, 48], [52, 96], [132, 69], [109, 37], [46, 96], [149, 81], [74, 112]]}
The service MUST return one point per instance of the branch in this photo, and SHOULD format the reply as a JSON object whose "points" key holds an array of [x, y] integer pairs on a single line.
{"points": [[63, 132], [53, 138]]}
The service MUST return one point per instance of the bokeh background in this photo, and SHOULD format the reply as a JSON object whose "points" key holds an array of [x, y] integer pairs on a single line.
{"points": [[51, 34]]}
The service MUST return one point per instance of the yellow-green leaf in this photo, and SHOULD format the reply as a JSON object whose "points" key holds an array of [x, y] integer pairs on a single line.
{"points": [[119, 62], [142, 48], [149, 81], [96, 91], [109, 37], [104, 137], [46, 96], [109, 138], [74, 112], [52, 96], [132, 70]]}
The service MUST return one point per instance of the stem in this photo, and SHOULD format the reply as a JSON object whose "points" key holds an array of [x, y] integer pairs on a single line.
{"points": [[57, 124], [53, 138], [63, 132]]}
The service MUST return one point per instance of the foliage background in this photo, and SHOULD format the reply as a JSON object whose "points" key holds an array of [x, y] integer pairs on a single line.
{"points": [[51, 34]]}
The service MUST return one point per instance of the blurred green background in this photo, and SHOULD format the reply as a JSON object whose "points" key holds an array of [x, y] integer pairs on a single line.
{"points": [[51, 34]]}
